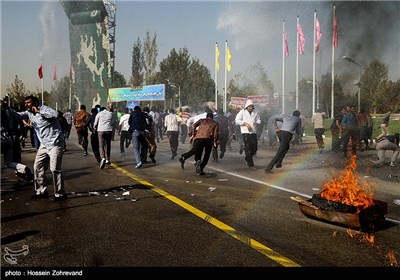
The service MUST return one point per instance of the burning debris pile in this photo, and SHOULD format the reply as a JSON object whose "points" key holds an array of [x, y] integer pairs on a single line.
{"points": [[345, 200]]}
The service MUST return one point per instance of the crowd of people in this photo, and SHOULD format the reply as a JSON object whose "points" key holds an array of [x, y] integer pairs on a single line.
{"points": [[210, 134]]}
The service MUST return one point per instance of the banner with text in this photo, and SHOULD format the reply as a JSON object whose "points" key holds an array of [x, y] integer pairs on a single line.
{"points": [[145, 93]]}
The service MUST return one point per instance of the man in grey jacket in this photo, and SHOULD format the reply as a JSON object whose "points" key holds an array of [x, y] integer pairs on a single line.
{"points": [[290, 126]]}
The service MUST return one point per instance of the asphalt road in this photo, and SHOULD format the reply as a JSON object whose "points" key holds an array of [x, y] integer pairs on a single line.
{"points": [[160, 218]]}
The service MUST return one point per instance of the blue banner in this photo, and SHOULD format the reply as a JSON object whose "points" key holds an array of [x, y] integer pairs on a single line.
{"points": [[145, 93]]}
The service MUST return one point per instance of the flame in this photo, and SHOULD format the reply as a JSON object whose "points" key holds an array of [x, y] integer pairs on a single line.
{"points": [[348, 189], [392, 259]]}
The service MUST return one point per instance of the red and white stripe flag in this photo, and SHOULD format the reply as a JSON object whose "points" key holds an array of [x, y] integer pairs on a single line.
{"points": [[286, 47], [318, 34], [335, 41], [302, 39]]}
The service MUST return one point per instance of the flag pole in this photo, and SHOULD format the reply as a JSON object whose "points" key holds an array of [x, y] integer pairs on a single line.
{"points": [[70, 86], [333, 62], [226, 66], [42, 83], [313, 90], [216, 75], [297, 65], [283, 68]]}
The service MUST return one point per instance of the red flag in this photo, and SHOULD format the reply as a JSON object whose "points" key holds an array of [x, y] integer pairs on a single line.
{"points": [[318, 35], [335, 33], [302, 39], [40, 71], [286, 47], [55, 73]]}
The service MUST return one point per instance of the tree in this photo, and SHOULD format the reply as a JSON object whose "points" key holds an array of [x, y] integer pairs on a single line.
{"points": [[150, 51], [377, 93], [118, 80], [60, 94], [325, 94], [17, 92], [254, 82], [137, 77], [175, 69], [200, 87]]}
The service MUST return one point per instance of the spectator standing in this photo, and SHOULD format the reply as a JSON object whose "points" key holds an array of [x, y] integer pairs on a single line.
{"points": [[50, 153], [248, 120], [349, 130], [318, 121], [104, 122], [336, 130], [290, 126], [80, 120]]}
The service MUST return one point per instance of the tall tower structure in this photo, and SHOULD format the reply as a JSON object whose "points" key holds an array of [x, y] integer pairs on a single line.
{"points": [[92, 50]]}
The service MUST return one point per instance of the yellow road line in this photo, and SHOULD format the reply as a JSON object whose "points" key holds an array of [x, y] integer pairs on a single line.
{"points": [[215, 222]]}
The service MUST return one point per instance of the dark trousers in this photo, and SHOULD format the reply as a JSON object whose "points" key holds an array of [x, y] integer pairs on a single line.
{"points": [[125, 139], [199, 145], [83, 137], [94, 142], [250, 143], [284, 144], [350, 134]]}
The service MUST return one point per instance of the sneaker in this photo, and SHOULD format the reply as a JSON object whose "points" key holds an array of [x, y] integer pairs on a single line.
{"points": [[267, 171], [201, 173], [60, 198], [278, 165], [138, 165], [40, 195], [85, 153], [108, 162], [182, 161], [221, 155], [153, 160], [102, 163], [122, 154], [392, 163], [198, 167]]}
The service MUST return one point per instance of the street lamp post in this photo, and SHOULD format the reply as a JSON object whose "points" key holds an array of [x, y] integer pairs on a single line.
{"points": [[317, 85], [179, 93], [352, 60]]}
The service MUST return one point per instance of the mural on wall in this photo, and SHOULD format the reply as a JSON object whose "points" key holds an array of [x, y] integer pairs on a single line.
{"points": [[90, 51]]}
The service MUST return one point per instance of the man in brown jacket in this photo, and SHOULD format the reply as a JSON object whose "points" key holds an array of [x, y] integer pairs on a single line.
{"points": [[80, 120], [205, 136]]}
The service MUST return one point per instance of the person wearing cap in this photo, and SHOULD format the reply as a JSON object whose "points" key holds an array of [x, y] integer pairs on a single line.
{"points": [[248, 120], [290, 126]]}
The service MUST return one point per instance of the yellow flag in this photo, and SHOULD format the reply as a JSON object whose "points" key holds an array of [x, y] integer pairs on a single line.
{"points": [[228, 59], [217, 58]]}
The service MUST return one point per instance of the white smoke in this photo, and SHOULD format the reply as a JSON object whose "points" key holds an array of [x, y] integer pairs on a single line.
{"points": [[55, 46]]}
